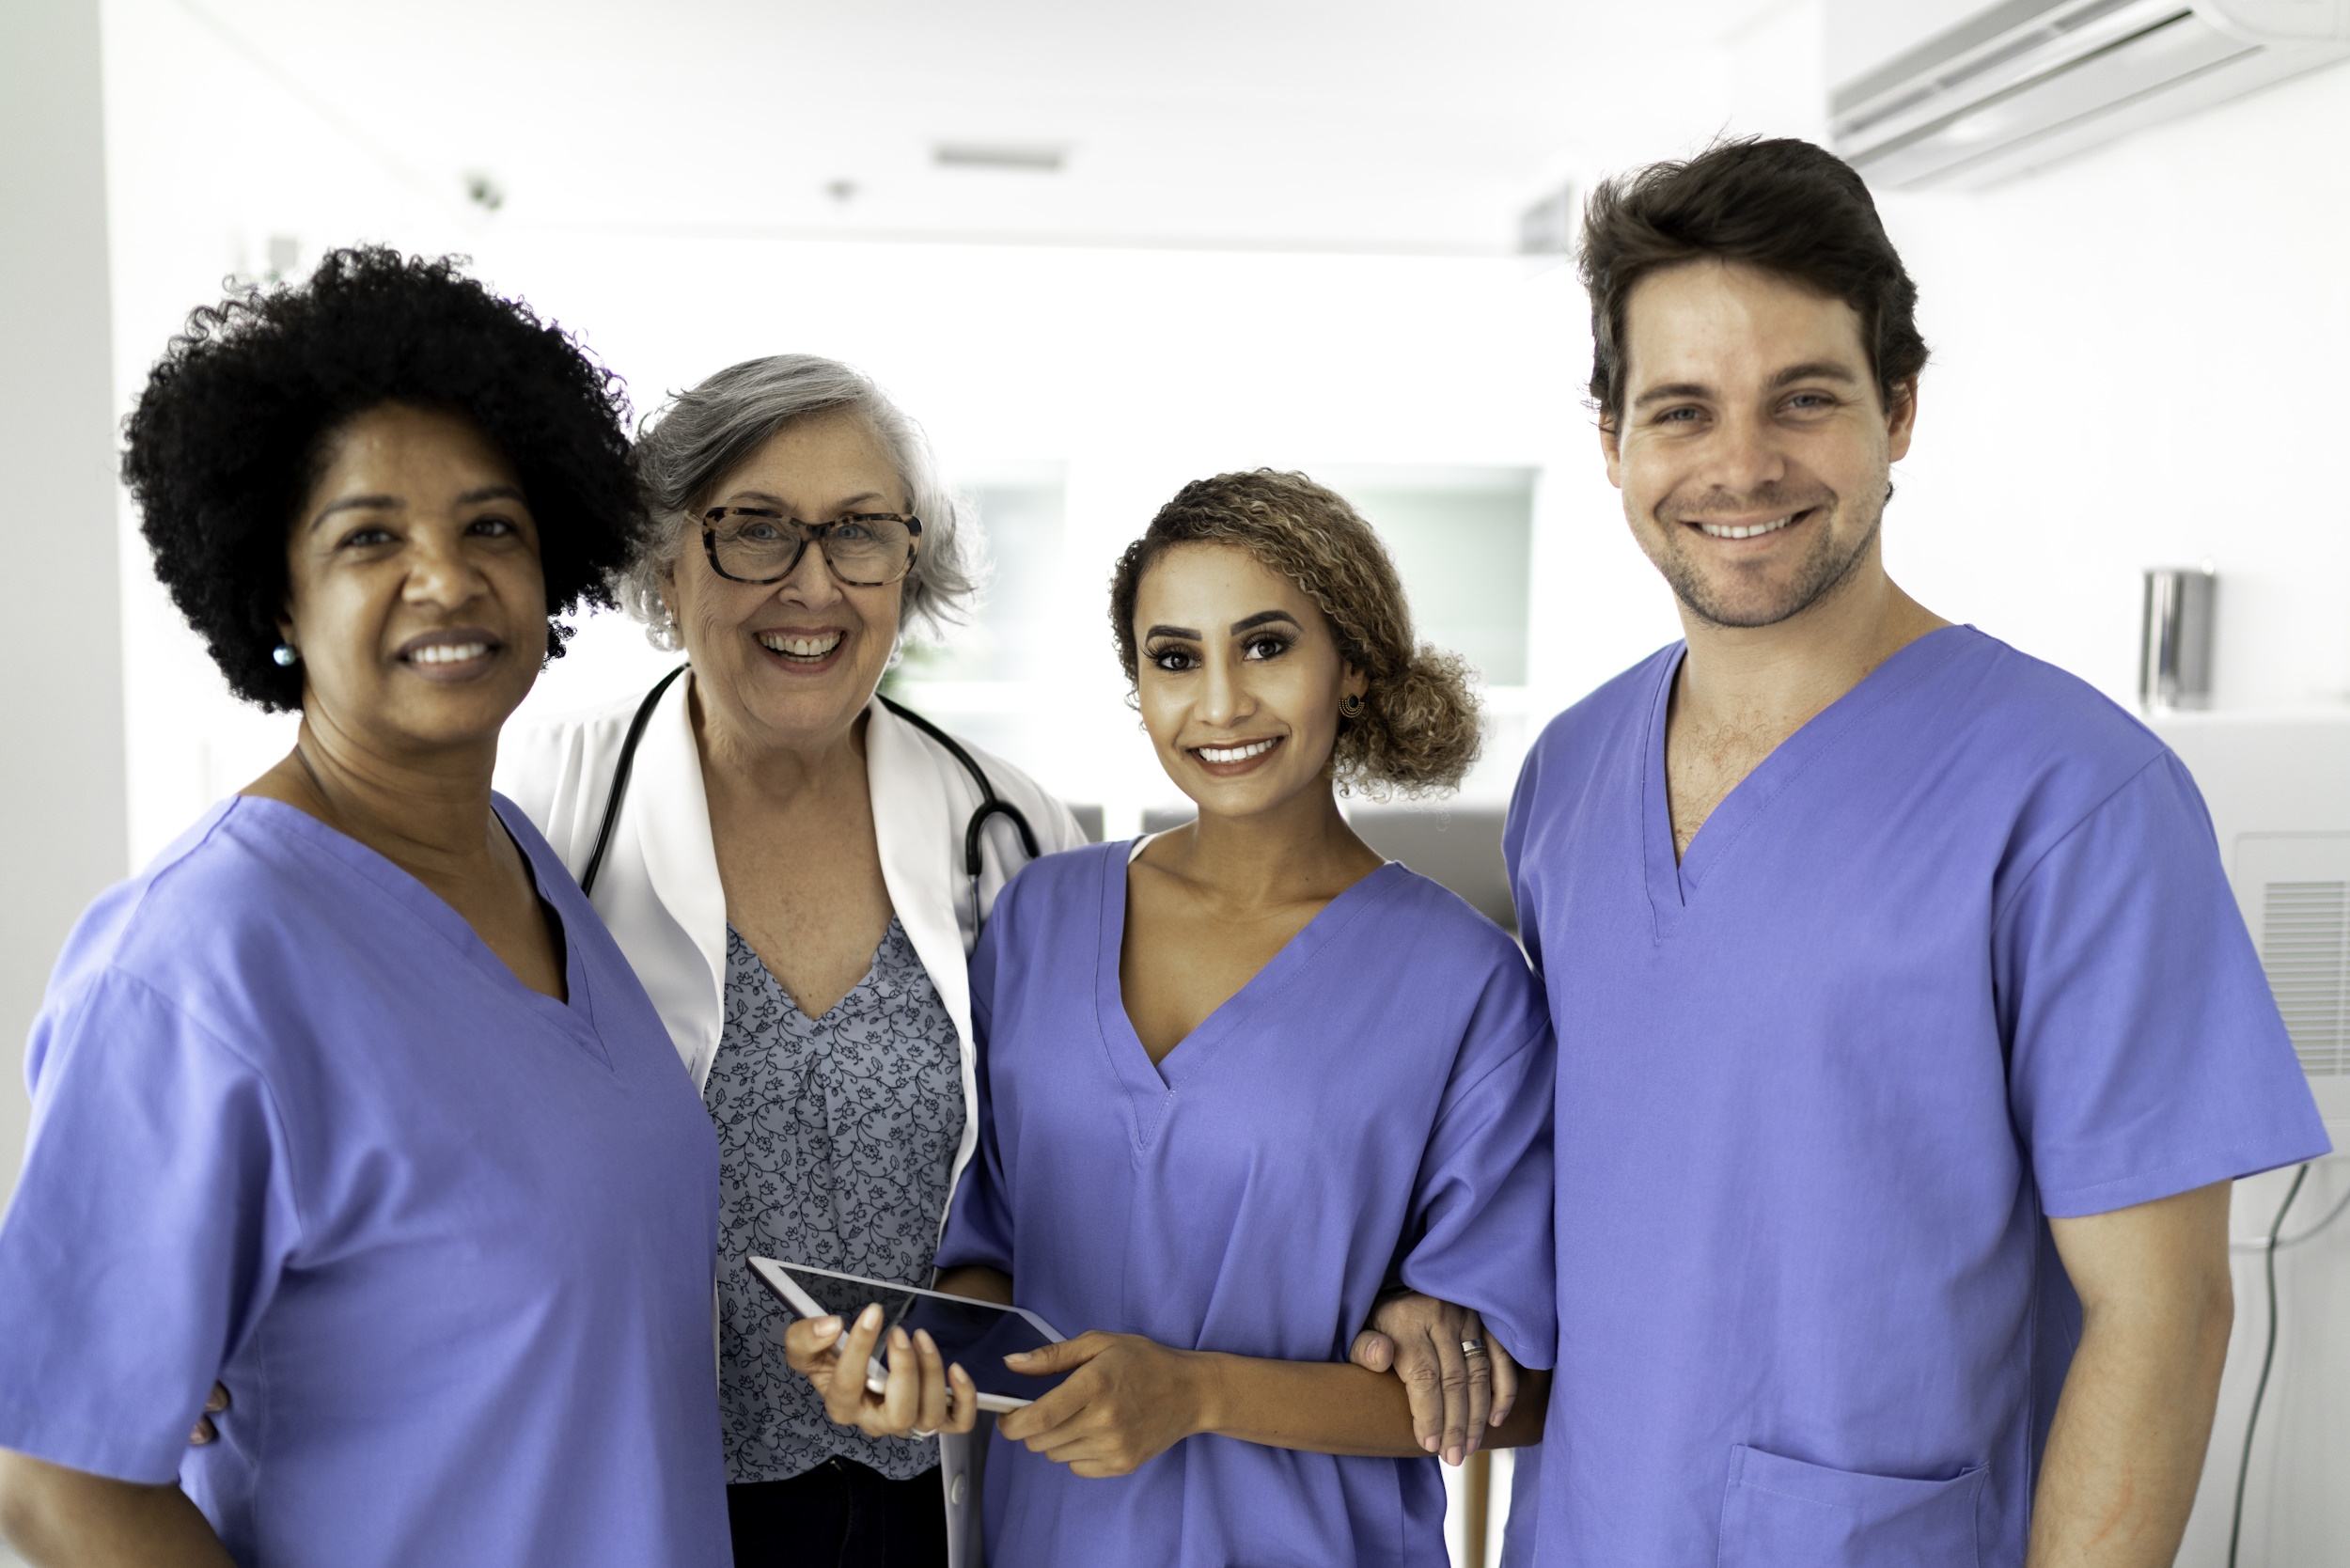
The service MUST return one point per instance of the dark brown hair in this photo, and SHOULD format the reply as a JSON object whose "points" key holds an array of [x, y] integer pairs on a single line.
{"points": [[1783, 206], [1419, 728]]}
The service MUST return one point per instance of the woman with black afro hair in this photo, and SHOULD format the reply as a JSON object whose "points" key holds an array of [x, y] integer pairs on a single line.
{"points": [[348, 1112]]}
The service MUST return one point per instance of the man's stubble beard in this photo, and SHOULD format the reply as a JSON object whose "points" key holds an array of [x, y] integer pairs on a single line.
{"points": [[1819, 573]]}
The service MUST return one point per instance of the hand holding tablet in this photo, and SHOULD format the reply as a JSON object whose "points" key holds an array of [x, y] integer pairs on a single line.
{"points": [[972, 1336]]}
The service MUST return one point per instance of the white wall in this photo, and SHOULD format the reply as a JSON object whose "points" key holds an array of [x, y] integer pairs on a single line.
{"points": [[61, 793], [2138, 363]]}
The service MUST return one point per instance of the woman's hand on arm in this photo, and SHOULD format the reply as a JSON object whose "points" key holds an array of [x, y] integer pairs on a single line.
{"points": [[54, 1517], [1127, 1400], [1456, 1398]]}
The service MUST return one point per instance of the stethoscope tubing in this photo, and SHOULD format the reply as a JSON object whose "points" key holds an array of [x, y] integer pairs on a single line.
{"points": [[991, 804]]}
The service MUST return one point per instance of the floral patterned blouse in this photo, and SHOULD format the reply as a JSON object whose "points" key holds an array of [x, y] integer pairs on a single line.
{"points": [[836, 1136]]}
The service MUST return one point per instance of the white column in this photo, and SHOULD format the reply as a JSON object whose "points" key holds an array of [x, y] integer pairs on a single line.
{"points": [[62, 817]]}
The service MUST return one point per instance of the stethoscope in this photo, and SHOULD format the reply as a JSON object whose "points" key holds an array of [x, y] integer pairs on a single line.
{"points": [[991, 804]]}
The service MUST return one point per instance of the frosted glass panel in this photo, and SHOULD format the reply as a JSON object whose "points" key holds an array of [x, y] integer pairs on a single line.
{"points": [[1015, 636], [1463, 541]]}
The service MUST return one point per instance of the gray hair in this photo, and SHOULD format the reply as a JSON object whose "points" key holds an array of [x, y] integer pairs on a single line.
{"points": [[693, 440]]}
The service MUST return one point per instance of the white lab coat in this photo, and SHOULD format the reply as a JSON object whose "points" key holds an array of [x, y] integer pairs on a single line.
{"points": [[659, 892]]}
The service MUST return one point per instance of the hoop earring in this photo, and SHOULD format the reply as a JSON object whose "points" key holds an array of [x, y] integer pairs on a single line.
{"points": [[285, 656], [1350, 706]]}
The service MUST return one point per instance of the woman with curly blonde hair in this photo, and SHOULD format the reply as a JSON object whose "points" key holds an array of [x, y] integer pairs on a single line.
{"points": [[1240, 1077]]}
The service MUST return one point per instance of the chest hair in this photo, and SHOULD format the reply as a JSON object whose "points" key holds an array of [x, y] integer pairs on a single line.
{"points": [[1704, 763]]}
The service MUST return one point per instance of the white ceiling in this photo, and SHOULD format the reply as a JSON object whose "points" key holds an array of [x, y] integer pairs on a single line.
{"points": [[1349, 124]]}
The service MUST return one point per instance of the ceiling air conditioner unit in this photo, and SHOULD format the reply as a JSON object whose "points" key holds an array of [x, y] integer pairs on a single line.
{"points": [[2008, 87]]}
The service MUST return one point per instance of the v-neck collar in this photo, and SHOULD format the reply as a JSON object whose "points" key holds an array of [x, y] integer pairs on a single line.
{"points": [[1673, 884], [574, 1018], [1152, 1088], [772, 986]]}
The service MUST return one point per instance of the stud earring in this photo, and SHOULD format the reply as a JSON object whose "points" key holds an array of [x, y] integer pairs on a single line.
{"points": [[285, 656], [1351, 705]]}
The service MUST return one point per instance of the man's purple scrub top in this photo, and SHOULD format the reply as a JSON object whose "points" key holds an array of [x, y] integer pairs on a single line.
{"points": [[1957, 956], [448, 1242], [1376, 1099]]}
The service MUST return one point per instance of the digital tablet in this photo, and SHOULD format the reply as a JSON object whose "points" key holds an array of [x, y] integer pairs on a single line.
{"points": [[975, 1335]]}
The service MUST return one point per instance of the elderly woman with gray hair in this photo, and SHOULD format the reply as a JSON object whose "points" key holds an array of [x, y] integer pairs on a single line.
{"points": [[798, 870]]}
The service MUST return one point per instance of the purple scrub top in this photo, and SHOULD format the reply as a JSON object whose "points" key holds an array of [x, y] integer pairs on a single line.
{"points": [[448, 1242], [1376, 1101], [1957, 957]]}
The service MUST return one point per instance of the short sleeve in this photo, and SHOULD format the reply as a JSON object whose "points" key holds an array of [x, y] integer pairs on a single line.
{"points": [[146, 1229], [2146, 1057], [978, 1220], [1481, 1204]]}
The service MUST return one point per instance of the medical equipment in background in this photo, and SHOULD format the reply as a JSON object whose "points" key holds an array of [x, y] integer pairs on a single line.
{"points": [[1959, 94], [2279, 789], [2174, 637], [2278, 786]]}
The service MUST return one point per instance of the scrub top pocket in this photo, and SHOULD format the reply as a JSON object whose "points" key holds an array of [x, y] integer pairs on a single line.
{"points": [[1784, 1513]]}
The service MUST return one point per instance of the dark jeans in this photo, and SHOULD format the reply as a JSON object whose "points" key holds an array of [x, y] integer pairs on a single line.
{"points": [[840, 1514]]}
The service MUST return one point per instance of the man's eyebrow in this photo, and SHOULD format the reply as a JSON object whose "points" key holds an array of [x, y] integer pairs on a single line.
{"points": [[1815, 369], [1811, 369], [1165, 631], [1264, 618], [1669, 391], [357, 503]]}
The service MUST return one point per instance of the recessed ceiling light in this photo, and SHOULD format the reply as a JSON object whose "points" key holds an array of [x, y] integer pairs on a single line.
{"points": [[1031, 157]]}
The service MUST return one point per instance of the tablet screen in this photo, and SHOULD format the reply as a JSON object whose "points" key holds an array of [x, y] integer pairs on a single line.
{"points": [[976, 1335]]}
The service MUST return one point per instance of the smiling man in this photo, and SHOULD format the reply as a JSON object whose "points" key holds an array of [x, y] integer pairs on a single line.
{"points": [[1908, 1034]]}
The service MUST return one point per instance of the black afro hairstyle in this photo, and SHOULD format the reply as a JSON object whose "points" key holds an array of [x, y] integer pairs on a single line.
{"points": [[232, 431]]}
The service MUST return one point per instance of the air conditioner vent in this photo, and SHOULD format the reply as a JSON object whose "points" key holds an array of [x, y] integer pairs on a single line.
{"points": [[2016, 85], [2305, 946], [2295, 891]]}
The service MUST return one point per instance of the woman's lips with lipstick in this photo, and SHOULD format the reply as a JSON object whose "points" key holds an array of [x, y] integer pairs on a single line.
{"points": [[1227, 762]]}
